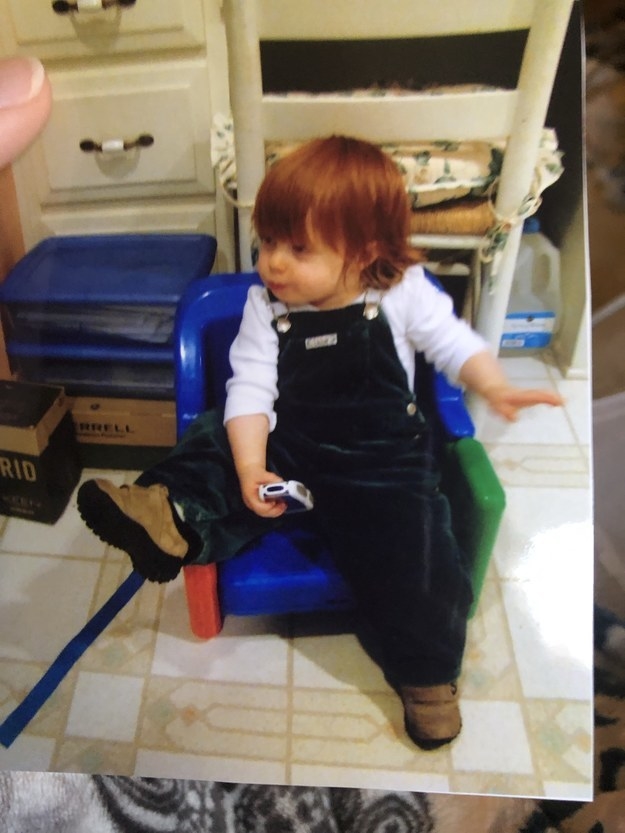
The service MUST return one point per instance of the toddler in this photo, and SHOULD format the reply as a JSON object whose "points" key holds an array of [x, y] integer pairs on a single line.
{"points": [[322, 392]]}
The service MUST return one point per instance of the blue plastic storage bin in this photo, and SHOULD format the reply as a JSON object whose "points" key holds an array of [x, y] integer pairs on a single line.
{"points": [[102, 298], [91, 311], [82, 292], [109, 269]]}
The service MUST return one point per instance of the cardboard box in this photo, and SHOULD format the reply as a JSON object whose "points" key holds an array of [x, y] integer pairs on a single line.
{"points": [[39, 457], [124, 422]]}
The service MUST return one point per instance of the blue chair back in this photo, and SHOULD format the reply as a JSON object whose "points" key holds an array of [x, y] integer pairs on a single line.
{"points": [[207, 321]]}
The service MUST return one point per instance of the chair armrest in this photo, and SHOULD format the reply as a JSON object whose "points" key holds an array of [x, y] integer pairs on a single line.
{"points": [[448, 398], [451, 408]]}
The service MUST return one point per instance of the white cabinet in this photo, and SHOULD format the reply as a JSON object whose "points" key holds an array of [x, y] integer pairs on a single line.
{"points": [[127, 146], [90, 30], [146, 132]]}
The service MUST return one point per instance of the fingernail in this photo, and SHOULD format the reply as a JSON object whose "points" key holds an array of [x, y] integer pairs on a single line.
{"points": [[21, 79]]}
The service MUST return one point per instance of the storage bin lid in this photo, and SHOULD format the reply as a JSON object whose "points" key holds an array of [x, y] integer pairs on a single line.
{"points": [[122, 269]]}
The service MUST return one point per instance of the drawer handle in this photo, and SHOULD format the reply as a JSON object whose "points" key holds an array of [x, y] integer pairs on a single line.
{"points": [[64, 7], [116, 145]]}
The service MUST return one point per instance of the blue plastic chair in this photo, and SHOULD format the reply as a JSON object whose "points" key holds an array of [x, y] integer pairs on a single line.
{"points": [[290, 571]]}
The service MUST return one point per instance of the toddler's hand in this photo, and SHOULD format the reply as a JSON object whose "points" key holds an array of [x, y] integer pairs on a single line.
{"points": [[250, 479], [507, 400]]}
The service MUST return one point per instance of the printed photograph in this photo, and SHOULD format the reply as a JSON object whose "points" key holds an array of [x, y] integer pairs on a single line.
{"points": [[296, 396]]}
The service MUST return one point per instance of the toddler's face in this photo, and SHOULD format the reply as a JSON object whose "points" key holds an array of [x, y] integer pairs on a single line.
{"points": [[307, 272]]}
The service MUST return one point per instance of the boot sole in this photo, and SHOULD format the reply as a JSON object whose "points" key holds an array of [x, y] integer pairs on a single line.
{"points": [[106, 520], [428, 744]]}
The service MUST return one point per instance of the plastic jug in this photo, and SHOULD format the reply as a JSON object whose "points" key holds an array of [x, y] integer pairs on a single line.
{"points": [[534, 303]]}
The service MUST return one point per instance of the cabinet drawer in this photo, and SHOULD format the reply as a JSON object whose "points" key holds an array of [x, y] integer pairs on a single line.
{"points": [[168, 102], [146, 25]]}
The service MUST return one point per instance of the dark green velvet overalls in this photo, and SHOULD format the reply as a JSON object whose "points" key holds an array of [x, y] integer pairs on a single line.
{"points": [[349, 428]]}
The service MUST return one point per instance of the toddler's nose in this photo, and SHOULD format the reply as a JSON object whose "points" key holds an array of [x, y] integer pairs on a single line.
{"points": [[277, 258]]}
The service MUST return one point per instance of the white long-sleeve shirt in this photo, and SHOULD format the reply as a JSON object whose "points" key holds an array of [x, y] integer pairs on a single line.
{"points": [[420, 316]]}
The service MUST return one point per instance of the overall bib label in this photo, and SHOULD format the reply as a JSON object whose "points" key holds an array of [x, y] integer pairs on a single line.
{"points": [[328, 340]]}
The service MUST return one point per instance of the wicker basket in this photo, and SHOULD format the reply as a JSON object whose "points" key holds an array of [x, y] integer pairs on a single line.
{"points": [[474, 216]]}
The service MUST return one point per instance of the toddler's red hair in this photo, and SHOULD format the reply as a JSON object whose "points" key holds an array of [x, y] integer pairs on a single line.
{"points": [[351, 194]]}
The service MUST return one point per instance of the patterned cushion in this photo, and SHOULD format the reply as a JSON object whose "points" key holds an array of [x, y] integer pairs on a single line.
{"points": [[435, 172]]}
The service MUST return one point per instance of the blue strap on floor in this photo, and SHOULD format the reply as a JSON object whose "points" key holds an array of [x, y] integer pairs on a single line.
{"points": [[34, 700]]}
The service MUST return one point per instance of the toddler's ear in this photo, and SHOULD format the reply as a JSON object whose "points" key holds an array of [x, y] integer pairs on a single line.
{"points": [[371, 253]]}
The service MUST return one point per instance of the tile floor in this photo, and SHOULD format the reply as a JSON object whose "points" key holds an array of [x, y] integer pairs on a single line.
{"points": [[296, 700]]}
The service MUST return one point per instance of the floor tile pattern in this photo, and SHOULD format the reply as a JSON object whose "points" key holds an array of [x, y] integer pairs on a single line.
{"points": [[297, 700]]}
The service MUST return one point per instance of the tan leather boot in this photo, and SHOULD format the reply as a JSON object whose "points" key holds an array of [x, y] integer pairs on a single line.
{"points": [[431, 714], [139, 520]]}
